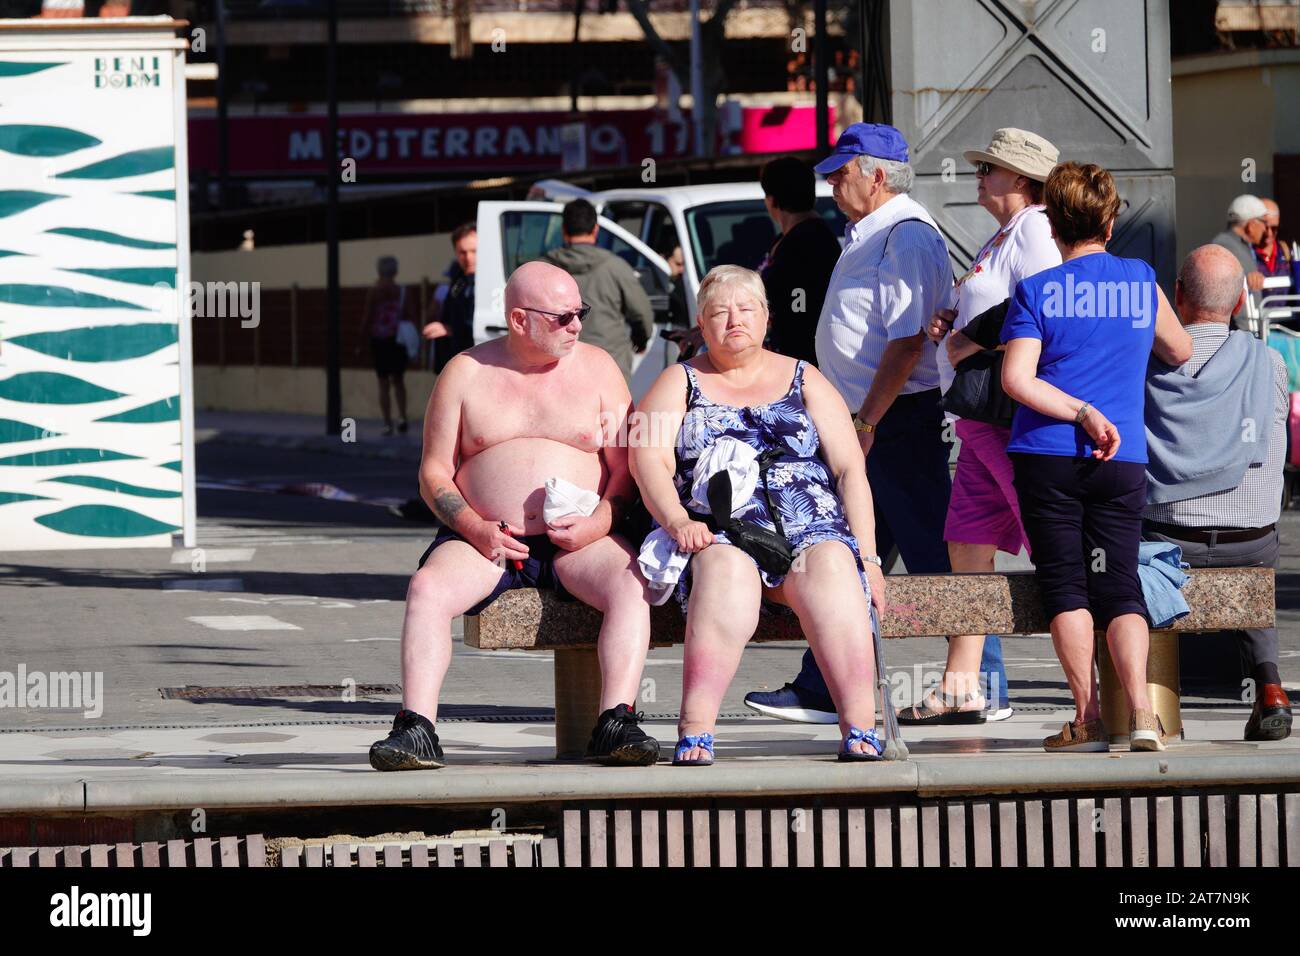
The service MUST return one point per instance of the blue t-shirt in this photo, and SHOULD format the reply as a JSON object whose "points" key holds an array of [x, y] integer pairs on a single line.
{"points": [[1096, 318]]}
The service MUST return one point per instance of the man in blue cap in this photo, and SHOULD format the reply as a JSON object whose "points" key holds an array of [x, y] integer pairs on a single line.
{"points": [[893, 274]]}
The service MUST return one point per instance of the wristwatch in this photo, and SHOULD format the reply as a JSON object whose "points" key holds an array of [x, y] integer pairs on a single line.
{"points": [[874, 559], [860, 425]]}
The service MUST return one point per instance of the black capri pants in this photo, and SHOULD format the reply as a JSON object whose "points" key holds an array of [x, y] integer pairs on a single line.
{"points": [[1083, 518]]}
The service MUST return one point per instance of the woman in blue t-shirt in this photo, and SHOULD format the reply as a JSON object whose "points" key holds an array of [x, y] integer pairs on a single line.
{"points": [[1078, 338]]}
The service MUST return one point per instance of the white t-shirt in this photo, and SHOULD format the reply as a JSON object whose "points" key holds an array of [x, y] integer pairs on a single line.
{"points": [[1021, 248]]}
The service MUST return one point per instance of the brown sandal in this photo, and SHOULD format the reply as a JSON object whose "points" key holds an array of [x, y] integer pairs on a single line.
{"points": [[938, 708]]}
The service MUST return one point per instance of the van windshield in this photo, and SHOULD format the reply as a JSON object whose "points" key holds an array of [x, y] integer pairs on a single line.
{"points": [[740, 232]]}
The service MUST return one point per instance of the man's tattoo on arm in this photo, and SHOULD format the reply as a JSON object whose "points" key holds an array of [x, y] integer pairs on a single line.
{"points": [[447, 504]]}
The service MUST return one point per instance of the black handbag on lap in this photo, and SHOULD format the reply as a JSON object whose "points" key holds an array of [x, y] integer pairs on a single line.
{"points": [[976, 391], [770, 550]]}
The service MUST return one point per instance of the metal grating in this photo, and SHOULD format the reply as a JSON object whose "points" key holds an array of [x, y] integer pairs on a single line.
{"points": [[227, 851], [1216, 830], [193, 692], [1162, 830]]}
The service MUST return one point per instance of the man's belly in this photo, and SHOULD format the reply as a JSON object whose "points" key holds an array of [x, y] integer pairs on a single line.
{"points": [[506, 482]]}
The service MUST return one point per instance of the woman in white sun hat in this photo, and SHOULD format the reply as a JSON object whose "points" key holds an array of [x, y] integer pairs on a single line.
{"points": [[983, 512]]}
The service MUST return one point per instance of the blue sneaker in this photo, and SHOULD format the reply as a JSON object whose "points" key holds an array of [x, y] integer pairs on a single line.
{"points": [[794, 704]]}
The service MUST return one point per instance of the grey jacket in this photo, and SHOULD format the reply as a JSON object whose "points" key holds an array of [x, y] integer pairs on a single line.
{"points": [[618, 303]]}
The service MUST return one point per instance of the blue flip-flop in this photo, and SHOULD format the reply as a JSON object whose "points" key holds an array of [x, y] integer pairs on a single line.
{"points": [[870, 737], [690, 742]]}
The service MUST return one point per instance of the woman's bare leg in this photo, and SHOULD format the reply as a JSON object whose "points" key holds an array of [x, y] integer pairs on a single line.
{"points": [[836, 618], [1074, 642], [961, 674], [721, 618]]}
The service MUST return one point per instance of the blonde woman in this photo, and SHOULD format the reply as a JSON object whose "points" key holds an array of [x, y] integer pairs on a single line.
{"points": [[818, 492]]}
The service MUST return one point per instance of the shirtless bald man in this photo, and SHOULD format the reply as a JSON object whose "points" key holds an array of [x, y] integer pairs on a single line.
{"points": [[504, 417]]}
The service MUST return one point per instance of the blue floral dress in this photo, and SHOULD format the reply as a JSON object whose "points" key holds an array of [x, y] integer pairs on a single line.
{"points": [[800, 483]]}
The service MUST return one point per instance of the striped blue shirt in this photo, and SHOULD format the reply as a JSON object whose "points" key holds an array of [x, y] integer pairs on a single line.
{"points": [[880, 292]]}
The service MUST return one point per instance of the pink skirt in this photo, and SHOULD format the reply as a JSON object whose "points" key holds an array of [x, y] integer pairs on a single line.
{"points": [[983, 508]]}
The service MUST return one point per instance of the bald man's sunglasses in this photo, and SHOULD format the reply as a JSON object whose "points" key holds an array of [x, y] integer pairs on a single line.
{"points": [[563, 318]]}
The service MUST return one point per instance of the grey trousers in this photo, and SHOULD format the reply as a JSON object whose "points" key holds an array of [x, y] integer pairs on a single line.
{"points": [[1258, 646]]}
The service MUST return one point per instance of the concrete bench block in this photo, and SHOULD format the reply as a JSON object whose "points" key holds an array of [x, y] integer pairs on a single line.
{"points": [[920, 605]]}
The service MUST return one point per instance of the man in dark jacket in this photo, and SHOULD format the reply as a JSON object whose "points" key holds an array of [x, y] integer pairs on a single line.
{"points": [[452, 328], [621, 320]]}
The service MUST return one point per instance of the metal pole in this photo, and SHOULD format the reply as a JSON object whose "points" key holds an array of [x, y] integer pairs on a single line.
{"points": [[697, 80], [864, 46], [223, 138], [575, 72], [821, 76], [333, 390]]}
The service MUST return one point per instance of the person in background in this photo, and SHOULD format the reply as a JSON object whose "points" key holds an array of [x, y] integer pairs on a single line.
{"points": [[797, 269], [621, 320], [1078, 337], [1227, 515], [983, 514], [680, 331], [893, 275], [451, 326], [1271, 256], [385, 308], [1245, 230]]}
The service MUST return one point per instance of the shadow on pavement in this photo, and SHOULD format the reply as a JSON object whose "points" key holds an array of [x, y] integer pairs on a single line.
{"points": [[346, 585]]}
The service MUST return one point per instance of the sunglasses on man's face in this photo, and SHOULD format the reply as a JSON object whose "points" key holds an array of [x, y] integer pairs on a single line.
{"points": [[563, 318], [983, 169]]}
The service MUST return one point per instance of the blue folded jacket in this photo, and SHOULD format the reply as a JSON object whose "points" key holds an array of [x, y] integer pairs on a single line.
{"points": [[1160, 569]]}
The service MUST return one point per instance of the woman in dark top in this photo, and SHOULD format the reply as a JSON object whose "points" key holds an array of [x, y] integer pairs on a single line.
{"points": [[797, 269]]}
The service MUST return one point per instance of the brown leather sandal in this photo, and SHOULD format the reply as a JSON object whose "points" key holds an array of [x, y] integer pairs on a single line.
{"points": [[938, 708]]}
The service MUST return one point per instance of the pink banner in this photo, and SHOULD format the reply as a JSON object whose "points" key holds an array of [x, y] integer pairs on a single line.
{"points": [[486, 143]]}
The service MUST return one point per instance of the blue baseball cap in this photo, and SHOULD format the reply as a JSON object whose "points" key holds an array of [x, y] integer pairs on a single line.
{"points": [[865, 139]]}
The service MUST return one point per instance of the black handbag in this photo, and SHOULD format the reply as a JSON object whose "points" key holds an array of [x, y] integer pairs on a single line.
{"points": [[976, 391], [770, 550]]}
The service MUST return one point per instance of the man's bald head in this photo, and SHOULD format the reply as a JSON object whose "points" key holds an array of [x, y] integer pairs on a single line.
{"points": [[1271, 206], [1210, 284], [540, 285]]}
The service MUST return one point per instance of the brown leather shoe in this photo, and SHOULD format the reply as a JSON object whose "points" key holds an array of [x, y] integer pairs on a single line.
{"points": [[1270, 718], [1088, 737]]}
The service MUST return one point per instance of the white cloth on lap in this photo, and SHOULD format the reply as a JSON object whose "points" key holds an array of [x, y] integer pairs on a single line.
{"points": [[660, 562], [564, 498]]}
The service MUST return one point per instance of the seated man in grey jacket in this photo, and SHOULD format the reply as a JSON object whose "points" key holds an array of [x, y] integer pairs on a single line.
{"points": [[1216, 444], [621, 320]]}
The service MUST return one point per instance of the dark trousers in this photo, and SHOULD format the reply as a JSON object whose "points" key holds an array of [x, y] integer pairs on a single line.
{"points": [[910, 485], [1083, 518], [1258, 645]]}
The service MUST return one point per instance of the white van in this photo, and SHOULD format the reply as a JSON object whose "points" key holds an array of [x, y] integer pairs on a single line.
{"points": [[716, 224]]}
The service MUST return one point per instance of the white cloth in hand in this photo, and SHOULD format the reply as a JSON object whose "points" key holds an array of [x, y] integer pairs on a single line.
{"points": [[564, 498], [660, 562]]}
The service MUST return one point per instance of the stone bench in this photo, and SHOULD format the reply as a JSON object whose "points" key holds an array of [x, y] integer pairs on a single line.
{"points": [[920, 605]]}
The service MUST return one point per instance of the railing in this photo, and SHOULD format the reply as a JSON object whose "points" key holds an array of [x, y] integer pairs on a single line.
{"points": [[203, 10]]}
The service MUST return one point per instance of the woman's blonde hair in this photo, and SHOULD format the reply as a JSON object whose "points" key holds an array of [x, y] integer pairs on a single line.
{"points": [[724, 278]]}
